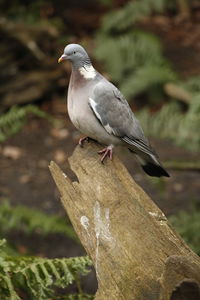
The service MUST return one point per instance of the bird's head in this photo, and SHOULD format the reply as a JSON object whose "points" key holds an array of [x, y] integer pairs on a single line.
{"points": [[76, 54]]}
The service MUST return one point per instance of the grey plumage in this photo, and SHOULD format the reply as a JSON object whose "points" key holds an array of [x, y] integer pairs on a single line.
{"points": [[99, 110]]}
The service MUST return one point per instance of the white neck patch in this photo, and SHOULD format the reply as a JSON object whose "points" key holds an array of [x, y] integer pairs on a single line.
{"points": [[88, 72]]}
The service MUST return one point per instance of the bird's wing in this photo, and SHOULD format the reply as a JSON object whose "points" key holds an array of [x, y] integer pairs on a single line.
{"points": [[115, 115]]}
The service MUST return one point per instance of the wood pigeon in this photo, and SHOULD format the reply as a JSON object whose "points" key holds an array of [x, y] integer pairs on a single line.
{"points": [[100, 111]]}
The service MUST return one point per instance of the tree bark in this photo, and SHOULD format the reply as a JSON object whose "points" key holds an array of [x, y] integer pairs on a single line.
{"points": [[136, 253], [178, 92]]}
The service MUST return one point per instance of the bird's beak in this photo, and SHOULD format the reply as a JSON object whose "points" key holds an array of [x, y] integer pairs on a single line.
{"points": [[63, 57]]}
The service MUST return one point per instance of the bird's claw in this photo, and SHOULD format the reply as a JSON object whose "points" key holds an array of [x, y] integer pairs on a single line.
{"points": [[82, 140], [108, 151]]}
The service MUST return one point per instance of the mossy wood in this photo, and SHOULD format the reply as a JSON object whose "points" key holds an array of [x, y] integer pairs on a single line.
{"points": [[136, 254]]}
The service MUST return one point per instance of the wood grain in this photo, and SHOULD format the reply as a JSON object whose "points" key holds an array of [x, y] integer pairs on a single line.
{"points": [[136, 253]]}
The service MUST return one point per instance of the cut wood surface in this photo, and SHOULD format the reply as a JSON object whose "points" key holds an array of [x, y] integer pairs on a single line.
{"points": [[136, 253]]}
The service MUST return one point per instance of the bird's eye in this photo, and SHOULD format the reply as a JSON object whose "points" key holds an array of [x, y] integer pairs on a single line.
{"points": [[74, 52]]}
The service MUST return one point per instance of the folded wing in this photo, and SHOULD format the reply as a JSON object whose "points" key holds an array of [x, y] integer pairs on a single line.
{"points": [[115, 115]]}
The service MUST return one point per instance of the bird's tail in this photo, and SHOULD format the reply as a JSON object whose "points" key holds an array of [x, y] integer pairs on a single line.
{"points": [[152, 166], [155, 170]]}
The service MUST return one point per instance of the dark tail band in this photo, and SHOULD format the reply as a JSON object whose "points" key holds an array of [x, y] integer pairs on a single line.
{"points": [[154, 170]]}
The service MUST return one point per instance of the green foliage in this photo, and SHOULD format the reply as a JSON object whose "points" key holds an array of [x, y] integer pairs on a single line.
{"points": [[171, 122], [38, 277], [188, 226], [135, 62], [189, 136], [132, 12], [132, 57], [108, 3], [192, 84], [163, 124], [30, 220], [12, 121], [28, 11]]}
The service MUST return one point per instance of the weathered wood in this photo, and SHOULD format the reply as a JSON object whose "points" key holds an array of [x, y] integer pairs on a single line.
{"points": [[28, 87], [178, 92], [136, 254], [26, 34]]}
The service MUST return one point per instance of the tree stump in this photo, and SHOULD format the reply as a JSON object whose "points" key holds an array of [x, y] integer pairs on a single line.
{"points": [[135, 252]]}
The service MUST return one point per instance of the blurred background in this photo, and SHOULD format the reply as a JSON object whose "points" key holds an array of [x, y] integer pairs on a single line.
{"points": [[150, 50]]}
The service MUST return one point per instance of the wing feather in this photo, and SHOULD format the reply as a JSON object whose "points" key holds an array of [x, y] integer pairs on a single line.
{"points": [[115, 115]]}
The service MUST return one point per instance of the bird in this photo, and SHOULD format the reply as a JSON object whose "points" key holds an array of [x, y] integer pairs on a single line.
{"points": [[100, 112]]}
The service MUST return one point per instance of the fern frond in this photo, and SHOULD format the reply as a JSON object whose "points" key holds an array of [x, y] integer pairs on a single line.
{"points": [[38, 275], [129, 51], [136, 63], [131, 13], [145, 78], [170, 122], [192, 84], [188, 224], [12, 121], [29, 220], [162, 123], [189, 135]]}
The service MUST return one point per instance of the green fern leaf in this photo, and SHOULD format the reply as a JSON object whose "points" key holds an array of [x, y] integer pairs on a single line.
{"points": [[136, 63], [12, 121], [31, 220], [131, 13], [38, 276], [170, 122]]}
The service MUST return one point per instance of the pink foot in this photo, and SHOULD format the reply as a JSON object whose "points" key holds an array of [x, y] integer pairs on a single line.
{"points": [[82, 140], [108, 151]]}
